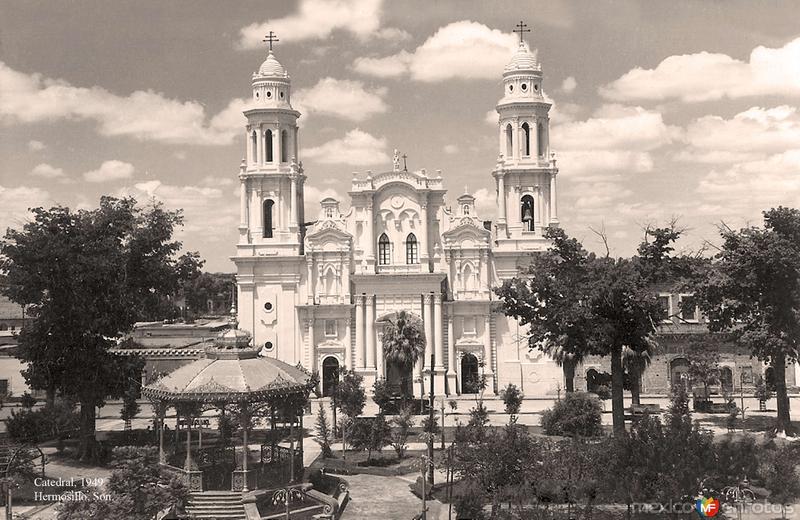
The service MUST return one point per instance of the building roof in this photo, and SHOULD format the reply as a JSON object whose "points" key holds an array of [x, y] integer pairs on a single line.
{"points": [[272, 67], [523, 59]]}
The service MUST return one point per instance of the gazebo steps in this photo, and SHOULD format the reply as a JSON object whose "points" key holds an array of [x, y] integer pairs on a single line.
{"points": [[219, 505]]}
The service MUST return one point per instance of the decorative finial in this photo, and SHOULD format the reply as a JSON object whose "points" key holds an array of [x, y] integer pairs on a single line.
{"points": [[234, 318], [270, 38], [396, 160], [466, 190], [405, 166], [521, 28]]}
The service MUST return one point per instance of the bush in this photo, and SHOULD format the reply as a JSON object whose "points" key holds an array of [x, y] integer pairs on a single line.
{"points": [[577, 415], [382, 394], [512, 398], [401, 431], [370, 433], [51, 422], [324, 435], [469, 500]]}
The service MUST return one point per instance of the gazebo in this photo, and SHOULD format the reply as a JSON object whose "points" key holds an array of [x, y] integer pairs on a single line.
{"points": [[233, 374]]}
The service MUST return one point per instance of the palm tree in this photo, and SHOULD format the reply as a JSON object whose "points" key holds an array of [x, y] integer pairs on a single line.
{"points": [[635, 363], [568, 360], [403, 344]]}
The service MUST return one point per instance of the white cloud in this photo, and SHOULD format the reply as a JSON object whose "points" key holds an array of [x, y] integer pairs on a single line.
{"points": [[346, 99], [486, 203], [450, 149], [196, 202], [110, 171], [356, 148], [317, 19], [615, 127], [492, 117], [35, 146], [143, 115], [47, 171], [14, 204], [745, 189], [463, 50], [708, 76], [569, 84], [313, 196], [211, 180]]}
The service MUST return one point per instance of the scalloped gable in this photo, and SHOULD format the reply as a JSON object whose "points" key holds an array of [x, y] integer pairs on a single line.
{"points": [[466, 228], [329, 231]]}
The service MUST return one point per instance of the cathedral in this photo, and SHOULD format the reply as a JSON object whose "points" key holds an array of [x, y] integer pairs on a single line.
{"points": [[319, 292]]}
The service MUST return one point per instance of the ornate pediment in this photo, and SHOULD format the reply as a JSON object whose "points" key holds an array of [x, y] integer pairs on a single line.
{"points": [[326, 232], [466, 229]]}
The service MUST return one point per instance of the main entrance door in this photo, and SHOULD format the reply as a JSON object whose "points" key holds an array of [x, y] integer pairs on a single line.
{"points": [[330, 375], [470, 382]]}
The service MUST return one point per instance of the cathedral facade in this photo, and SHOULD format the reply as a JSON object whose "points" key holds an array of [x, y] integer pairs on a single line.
{"points": [[319, 293]]}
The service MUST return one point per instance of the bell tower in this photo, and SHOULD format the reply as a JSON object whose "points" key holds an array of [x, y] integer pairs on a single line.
{"points": [[271, 177], [525, 174]]}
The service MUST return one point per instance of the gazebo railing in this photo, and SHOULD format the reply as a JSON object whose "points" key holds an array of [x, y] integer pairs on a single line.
{"points": [[192, 479]]}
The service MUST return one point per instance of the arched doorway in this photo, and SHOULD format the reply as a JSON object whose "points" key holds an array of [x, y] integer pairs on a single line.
{"points": [[726, 379], [679, 372], [469, 374], [330, 375]]}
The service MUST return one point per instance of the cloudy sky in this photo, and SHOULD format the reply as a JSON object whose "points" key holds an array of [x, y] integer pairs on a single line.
{"points": [[661, 109]]}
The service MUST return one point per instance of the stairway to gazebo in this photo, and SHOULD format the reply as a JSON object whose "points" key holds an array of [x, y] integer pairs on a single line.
{"points": [[220, 505]]}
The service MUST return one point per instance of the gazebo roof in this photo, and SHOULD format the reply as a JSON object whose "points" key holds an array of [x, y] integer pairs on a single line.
{"points": [[231, 371]]}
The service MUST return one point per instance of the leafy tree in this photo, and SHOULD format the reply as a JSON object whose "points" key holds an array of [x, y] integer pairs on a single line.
{"points": [[780, 476], [350, 398], [324, 434], [138, 490], [548, 298], [202, 288], [382, 394], [404, 344], [130, 406], [752, 288], [703, 366], [512, 398], [86, 277], [371, 434], [578, 414], [401, 430]]}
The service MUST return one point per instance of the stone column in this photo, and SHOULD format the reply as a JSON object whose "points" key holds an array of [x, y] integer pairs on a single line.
{"points": [[485, 284], [501, 196], [310, 282], [515, 139], [423, 233], [370, 331], [311, 357], [348, 343], [293, 203], [243, 204], [276, 145], [360, 331], [487, 353], [439, 362], [553, 199], [451, 356], [427, 311], [379, 364], [369, 230]]}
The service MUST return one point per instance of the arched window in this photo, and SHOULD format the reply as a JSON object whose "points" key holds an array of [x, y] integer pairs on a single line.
{"points": [[284, 146], [412, 256], [384, 250], [255, 146], [526, 213], [526, 136], [466, 209], [540, 140], [509, 142], [268, 218], [268, 145]]}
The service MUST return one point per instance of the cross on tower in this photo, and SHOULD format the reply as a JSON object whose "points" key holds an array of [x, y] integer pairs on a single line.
{"points": [[270, 38], [521, 29]]}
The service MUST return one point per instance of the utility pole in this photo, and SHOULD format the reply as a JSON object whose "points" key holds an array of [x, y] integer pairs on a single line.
{"points": [[432, 404]]}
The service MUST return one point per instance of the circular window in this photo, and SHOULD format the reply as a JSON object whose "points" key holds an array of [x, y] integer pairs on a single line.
{"points": [[269, 94], [524, 86], [536, 87], [511, 88], [256, 95], [281, 94], [268, 345], [268, 306]]}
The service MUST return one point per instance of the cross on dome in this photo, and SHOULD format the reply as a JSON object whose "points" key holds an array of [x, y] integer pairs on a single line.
{"points": [[270, 39], [521, 28]]}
